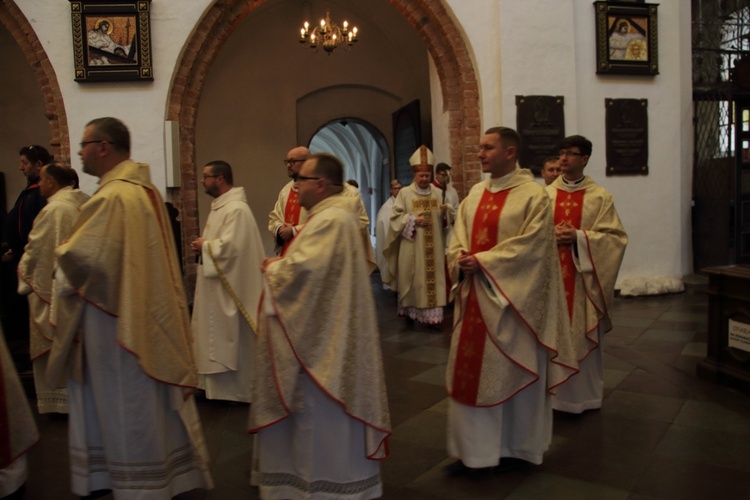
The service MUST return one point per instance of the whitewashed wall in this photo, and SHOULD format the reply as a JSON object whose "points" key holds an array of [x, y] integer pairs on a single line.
{"points": [[518, 47], [141, 106]]}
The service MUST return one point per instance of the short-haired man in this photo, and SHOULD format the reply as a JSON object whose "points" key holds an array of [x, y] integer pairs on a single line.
{"points": [[16, 228], [319, 402], [37, 266], [449, 196], [227, 289], [124, 338], [382, 222], [507, 349], [415, 247], [550, 169], [591, 243], [288, 217], [284, 219]]}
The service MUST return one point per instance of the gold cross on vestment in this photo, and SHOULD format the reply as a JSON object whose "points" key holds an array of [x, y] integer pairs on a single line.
{"points": [[567, 204]]}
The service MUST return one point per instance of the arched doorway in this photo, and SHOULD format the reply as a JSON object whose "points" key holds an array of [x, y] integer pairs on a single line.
{"points": [[364, 151], [437, 34]]}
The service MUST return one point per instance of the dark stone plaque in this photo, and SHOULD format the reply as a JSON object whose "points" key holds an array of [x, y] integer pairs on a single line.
{"points": [[627, 136], [541, 123]]}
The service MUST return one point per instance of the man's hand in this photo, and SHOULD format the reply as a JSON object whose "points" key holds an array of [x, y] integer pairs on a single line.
{"points": [[565, 233], [420, 221], [267, 262], [197, 245], [468, 264], [286, 231]]}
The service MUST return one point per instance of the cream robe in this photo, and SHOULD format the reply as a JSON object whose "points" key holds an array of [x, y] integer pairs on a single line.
{"points": [[227, 292], [114, 262], [600, 245], [35, 271], [20, 433], [276, 217], [121, 265], [382, 222], [416, 267], [520, 276], [318, 316]]}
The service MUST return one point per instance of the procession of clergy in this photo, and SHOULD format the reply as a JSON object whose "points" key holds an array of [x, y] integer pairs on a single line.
{"points": [[531, 271]]}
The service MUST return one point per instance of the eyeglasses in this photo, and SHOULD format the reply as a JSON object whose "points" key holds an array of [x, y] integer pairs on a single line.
{"points": [[304, 178], [570, 153], [209, 176], [83, 144], [291, 161]]}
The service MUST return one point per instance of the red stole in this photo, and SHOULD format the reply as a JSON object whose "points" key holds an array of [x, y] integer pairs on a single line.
{"points": [[291, 214], [468, 368], [568, 208]]}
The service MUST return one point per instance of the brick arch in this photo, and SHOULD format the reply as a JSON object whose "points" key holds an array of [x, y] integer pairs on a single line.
{"points": [[428, 17], [16, 23]]}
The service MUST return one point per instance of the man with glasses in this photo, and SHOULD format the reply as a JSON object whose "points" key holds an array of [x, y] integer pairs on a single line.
{"points": [[590, 243], [123, 335], [284, 219], [319, 406], [508, 350], [227, 289]]}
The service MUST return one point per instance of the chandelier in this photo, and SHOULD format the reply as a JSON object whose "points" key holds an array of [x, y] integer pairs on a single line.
{"points": [[328, 34]]}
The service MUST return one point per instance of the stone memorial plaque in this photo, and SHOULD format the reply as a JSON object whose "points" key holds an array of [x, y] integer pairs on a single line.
{"points": [[627, 136], [541, 123]]}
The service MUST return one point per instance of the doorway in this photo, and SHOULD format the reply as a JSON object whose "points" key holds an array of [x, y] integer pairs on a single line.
{"points": [[363, 150]]}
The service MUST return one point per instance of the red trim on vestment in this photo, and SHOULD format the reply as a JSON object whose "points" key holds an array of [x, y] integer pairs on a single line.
{"points": [[388, 433]]}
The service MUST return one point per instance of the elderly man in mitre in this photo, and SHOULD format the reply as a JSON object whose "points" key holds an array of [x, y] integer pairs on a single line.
{"points": [[36, 269], [415, 246]]}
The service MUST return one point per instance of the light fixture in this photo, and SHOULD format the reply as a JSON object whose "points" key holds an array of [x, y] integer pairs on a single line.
{"points": [[328, 34]]}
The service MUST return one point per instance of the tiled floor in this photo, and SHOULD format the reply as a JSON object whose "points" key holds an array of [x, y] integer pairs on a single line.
{"points": [[662, 433]]}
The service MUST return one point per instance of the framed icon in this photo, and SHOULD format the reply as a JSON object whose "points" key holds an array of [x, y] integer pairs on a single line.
{"points": [[626, 38], [111, 40]]}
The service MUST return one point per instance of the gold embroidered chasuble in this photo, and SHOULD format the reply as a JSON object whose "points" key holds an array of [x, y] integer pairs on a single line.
{"points": [[228, 285], [514, 304], [416, 265], [318, 316], [37, 265], [120, 258], [591, 274]]}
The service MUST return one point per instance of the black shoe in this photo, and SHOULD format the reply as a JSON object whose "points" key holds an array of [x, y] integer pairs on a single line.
{"points": [[510, 464], [458, 468]]}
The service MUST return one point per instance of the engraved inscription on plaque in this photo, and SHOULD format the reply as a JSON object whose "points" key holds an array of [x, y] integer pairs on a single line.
{"points": [[627, 136], [540, 121]]}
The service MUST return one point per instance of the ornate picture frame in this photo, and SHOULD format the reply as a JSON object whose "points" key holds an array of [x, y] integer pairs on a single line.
{"points": [[111, 40], [626, 38]]}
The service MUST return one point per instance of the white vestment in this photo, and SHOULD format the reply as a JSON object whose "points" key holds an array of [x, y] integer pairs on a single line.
{"points": [[589, 268], [123, 343], [381, 232], [35, 271], [227, 291]]}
